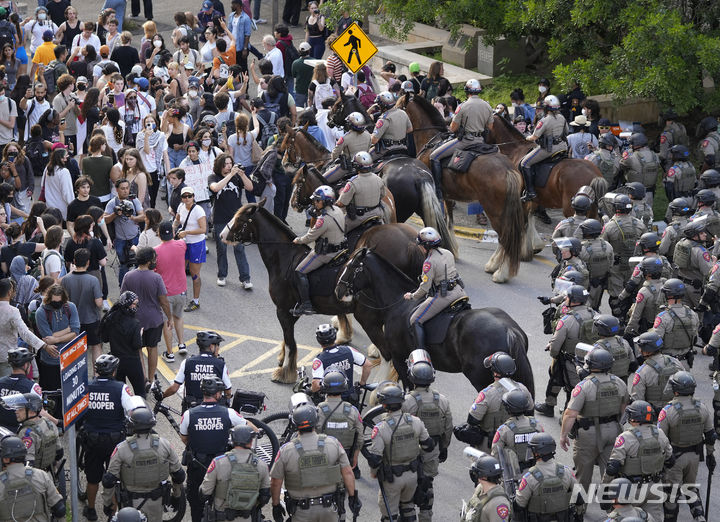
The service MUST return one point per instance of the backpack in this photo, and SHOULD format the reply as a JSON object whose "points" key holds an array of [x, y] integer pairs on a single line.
{"points": [[36, 153], [269, 129], [432, 90], [323, 91], [290, 55], [192, 36], [6, 34], [273, 105], [366, 95]]}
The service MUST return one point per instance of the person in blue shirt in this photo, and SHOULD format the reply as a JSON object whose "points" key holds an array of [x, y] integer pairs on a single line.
{"points": [[307, 117], [241, 28]]}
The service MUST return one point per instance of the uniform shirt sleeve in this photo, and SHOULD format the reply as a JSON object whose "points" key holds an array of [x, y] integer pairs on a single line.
{"points": [[180, 377], [315, 232], [125, 400], [278, 468], [637, 386], [560, 334], [577, 399], [358, 358], [426, 281], [226, 378], [208, 484], [342, 455], [184, 423], [235, 418], [318, 370], [663, 423], [52, 495], [347, 193], [377, 444], [264, 474]]}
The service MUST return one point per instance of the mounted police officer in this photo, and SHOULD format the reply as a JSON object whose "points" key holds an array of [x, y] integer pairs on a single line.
{"points": [[393, 125], [641, 453], [103, 425], [677, 324], [237, 482], [544, 493], [196, 368], [550, 132], [650, 379], [570, 227], [648, 299], [440, 284], [605, 159], [394, 455], [680, 210], [41, 437], [568, 250], [20, 360], [607, 328], [142, 464], [328, 233], [641, 209], [622, 231], [593, 415], [487, 412], [26, 493], [356, 139], [620, 491], [489, 502], [204, 430], [693, 259], [674, 134], [313, 468], [688, 423], [641, 164], [598, 256], [512, 436], [681, 177], [433, 409], [709, 147], [362, 195], [574, 327]]}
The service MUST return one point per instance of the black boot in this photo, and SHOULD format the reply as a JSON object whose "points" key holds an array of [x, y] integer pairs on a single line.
{"points": [[436, 169], [542, 215], [418, 333], [304, 307], [529, 193]]}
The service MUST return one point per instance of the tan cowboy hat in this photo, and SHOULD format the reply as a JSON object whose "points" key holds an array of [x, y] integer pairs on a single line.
{"points": [[580, 121]]}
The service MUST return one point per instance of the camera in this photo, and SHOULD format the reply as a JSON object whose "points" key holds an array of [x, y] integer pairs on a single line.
{"points": [[125, 208], [129, 255]]}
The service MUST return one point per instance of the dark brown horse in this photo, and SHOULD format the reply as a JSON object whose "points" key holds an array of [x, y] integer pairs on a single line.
{"points": [[253, 224], [299, 146], [492, 180]]}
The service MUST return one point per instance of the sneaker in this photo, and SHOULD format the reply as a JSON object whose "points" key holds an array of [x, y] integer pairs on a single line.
{"points": [[106, 305], [221, 281], [247, 285], [90, 513], [192, 306], [260, 21], [168, 357], [182, 349]]}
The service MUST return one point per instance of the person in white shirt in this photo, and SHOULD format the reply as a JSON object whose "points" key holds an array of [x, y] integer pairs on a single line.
{"points": [[38, 26], [34, 107], [273, 55], [58, 183], [86, 37]]}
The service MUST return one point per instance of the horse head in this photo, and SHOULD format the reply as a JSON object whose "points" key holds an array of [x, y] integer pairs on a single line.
{"points": [[287, 146], [503, 131], [244, 225], [353, 277], [302, 190]]}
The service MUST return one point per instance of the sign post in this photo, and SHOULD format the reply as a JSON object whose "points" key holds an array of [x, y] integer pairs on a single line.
{"points": [[354, 47], [74, 385]]}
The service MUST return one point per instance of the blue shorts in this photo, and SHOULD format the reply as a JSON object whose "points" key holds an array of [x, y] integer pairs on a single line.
{"points": [[195, 252]]}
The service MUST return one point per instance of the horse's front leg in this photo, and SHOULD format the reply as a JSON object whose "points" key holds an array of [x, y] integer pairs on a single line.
{"points": [[287, 358]]}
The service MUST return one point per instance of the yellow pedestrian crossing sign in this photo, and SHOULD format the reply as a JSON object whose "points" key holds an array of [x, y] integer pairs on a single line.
{"points": [[354, 47]]}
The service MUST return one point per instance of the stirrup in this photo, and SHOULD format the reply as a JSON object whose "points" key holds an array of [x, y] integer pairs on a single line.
{"points": [[301, 309], [527, 196]]}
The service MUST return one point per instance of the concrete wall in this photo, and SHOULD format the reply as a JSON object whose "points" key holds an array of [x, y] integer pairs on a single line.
{"points": [[643, 110]]}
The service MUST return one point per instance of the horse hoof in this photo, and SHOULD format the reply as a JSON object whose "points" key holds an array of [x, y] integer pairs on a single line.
{"points": [[537, 250], [284, 376], [373, 352], [489, 267]]}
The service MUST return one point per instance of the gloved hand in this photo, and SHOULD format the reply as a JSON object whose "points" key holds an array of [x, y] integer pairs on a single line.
{"points": [[710, 462], [702, 307], [108, 510], [442, 455], [544, 300], [278, 513], [354, 504], [175, 502], [710, 350], [156, 393]]}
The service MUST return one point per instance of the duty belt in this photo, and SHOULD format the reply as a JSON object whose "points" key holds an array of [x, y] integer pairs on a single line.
{"points": [[639, 479], [360, 211], [402, 468], [473, 134], [685, 356], [335, 248], [152, 494], [326, 500], [394, 142], [557, 141], [231, 514], [695, 448], [586, 422]]}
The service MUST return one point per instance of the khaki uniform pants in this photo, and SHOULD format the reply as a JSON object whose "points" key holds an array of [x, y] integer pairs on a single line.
{"points": [[400, 494], [590, 449]]}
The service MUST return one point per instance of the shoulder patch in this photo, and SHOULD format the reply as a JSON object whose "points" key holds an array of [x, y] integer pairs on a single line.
{"points": [[340, 141], [128, 390], [346, 188], [663, 138], [662, 414], [706, 255], [705, 143], [374, 432], [636, 379], [316, 364], [319, 222], [523, 483], [619, 441], [480, 397], [658, 322], [28, 442], [576, 391], [636, 271], [497, 436], [626, 154], [379, 123], [503, 511], [277, 457], [37, 389], [639, 298], [560, 324], [714, 268], [716, 329], [671, 172], [211, 466], [426, 267], [539, 125]]}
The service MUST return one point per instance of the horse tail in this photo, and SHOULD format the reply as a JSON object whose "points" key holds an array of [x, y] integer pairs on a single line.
{"points": [[517, 343], [600, 186], [433, 215], [511, 229]]}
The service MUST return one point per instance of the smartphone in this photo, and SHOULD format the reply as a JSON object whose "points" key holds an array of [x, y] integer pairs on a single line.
{"points": [[62, 121]]}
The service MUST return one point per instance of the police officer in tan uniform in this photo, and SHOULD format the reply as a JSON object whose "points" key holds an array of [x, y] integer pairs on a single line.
{"points": [[641, 453], [489, 502], [706, 201], [688, 423], [641, 209], [593, 415], [567, 252], [641, 164], [355, 140], [41, 437], [393, 126], [314, 469], [512, 436], [550, 132], [620, 490], [598, 256], [362, 195], [650, 379], [487, 412], [237, 482], [605, 159], [647, 246], [673, 134], [440, 284], [709, 145], [680, 210], [680, 179], [647, 301], [677, 324], [710, 179], [693, 259], [26, 493], [328, 233], [570, 227], [142, 464], [394, 454], [607, 329]]}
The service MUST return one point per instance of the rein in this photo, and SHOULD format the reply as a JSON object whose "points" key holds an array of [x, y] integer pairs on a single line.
{"points": [[362, 293]]}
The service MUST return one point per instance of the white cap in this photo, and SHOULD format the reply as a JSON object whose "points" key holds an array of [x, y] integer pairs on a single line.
{"points": [[304, 46], [137, 69]]}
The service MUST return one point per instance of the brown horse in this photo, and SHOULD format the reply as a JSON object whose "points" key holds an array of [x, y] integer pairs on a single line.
{"points": [[299, 146], [492, 180]]}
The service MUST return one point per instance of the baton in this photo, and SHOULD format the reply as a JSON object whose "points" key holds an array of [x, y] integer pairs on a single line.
{"points": [[707, 496]]}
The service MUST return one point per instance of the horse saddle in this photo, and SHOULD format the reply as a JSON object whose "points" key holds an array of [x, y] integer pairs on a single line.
{"points": [[388, 154], [354, 235], [541, 170], [437, 327], [464, 155], [322, 281]]}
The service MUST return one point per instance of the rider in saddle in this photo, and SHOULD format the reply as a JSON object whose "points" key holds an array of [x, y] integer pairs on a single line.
{"points": [[440, 284], [328, 233], [469, 124], [362, 195], [550, 132], [357, 139], [393, 125]]}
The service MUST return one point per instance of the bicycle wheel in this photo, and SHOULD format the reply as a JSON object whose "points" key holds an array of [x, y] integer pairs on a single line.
{"points": [[281, 425], [267, 446], [82, 479], [171, 514]]}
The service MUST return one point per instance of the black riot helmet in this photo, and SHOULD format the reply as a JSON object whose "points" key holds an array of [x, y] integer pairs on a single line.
{"points": [[141, 420], [706, 197], [486, 468], [622, 204], [636, 190], [710, 178], [649, 242], [334, 382], [599, 359], [591, 228], [515, 402], [651, 266], [242, 435], [501, 364], [211, 386], [325, 334], [673, 288], [619, 490], [679, 152], [577, 294], [30, 402], [638, 140], [707, 124], [19, 357], [421, 374], [696, 227], [606, 325], [572, 275], [305, 417], [391, 395], [649, 342], [607, 140], [129, 514], [683, 383], [641, 411], [207, 338], [13, 448], [571, 243], [542, 445], [581, 203], [681, 206], [106, 365]]}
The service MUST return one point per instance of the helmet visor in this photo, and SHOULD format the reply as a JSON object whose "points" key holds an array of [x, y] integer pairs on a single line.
{"points": [[16, 401]]}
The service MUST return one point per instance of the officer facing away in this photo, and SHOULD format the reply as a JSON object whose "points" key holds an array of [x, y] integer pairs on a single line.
{"points": [[313, 468], [513, 435], [26, 493], [196, 368], [362, 195], [649, 383], [620, 491], [237, 483], [489, 502], [20, 360]]}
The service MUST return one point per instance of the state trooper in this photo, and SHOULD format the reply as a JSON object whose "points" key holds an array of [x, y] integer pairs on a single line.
{"points": [[709, 146], [26, 493], [622, 232], [440, 284], [473, 118], [393, 126], [592, 417], [648, 299], [20, 360], [641, 453], [605, 159], [710, 180], [512, 436], [433, 409], [706, 201], [568, 250], [362, 195], [142, 464], [489, 502], [552, 315], [651, 378], [641, 209], [693, 259], [550, 132], [204, 430], [620, 490], [574, 327], [677, 324], [103, 425], [674, 134], [641, 164], [196, 368], [39, 434], [328, 233], [680, 179], [394, 455], [680, 210], [688, 423], [598, 256], [544, 492], [314, 468], [487, 412], [356, 139], [647, 245], [570, 227], [607, 328], [237, 483]]}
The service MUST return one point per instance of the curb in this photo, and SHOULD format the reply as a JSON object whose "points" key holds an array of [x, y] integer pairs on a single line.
{"points": [[484, 235]]}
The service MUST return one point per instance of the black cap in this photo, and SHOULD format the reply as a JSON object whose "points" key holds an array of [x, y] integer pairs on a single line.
{"points": [[165, 230]]}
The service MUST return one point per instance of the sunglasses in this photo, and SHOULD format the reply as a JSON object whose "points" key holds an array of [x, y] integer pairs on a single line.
{"points": [[186, 196], [603, 127]]}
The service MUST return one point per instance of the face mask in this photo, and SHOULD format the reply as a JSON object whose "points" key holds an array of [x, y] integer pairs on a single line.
{"points": [[514, 104], [101, 222], [56, 304], [193, 93], [206, 143], [542, 89], [42, 16], [2, 97], [584, 111], [81, 87], [157, 43]]}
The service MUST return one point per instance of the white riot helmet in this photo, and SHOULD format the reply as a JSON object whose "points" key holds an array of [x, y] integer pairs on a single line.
{"points": [[385, 99], [325, 194], [473, 86], [356, 121], [428, 237], [363, 160], [551, 102]]}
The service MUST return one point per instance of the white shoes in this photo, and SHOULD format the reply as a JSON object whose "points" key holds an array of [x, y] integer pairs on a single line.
{"points": [[221, 281], [247, 285]]}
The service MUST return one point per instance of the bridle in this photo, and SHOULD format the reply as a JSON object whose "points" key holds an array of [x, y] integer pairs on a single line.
{"points": [[350, 288], [298, 185]]}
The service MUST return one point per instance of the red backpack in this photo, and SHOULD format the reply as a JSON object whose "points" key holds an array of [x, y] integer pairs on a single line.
{"points": [[365, 94]]}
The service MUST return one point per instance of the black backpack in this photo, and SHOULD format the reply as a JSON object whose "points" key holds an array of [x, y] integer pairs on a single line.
{"points": [[192, 36], [291, 54], [37, 154], [7, 31], [269, 129], [49, 75]]}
